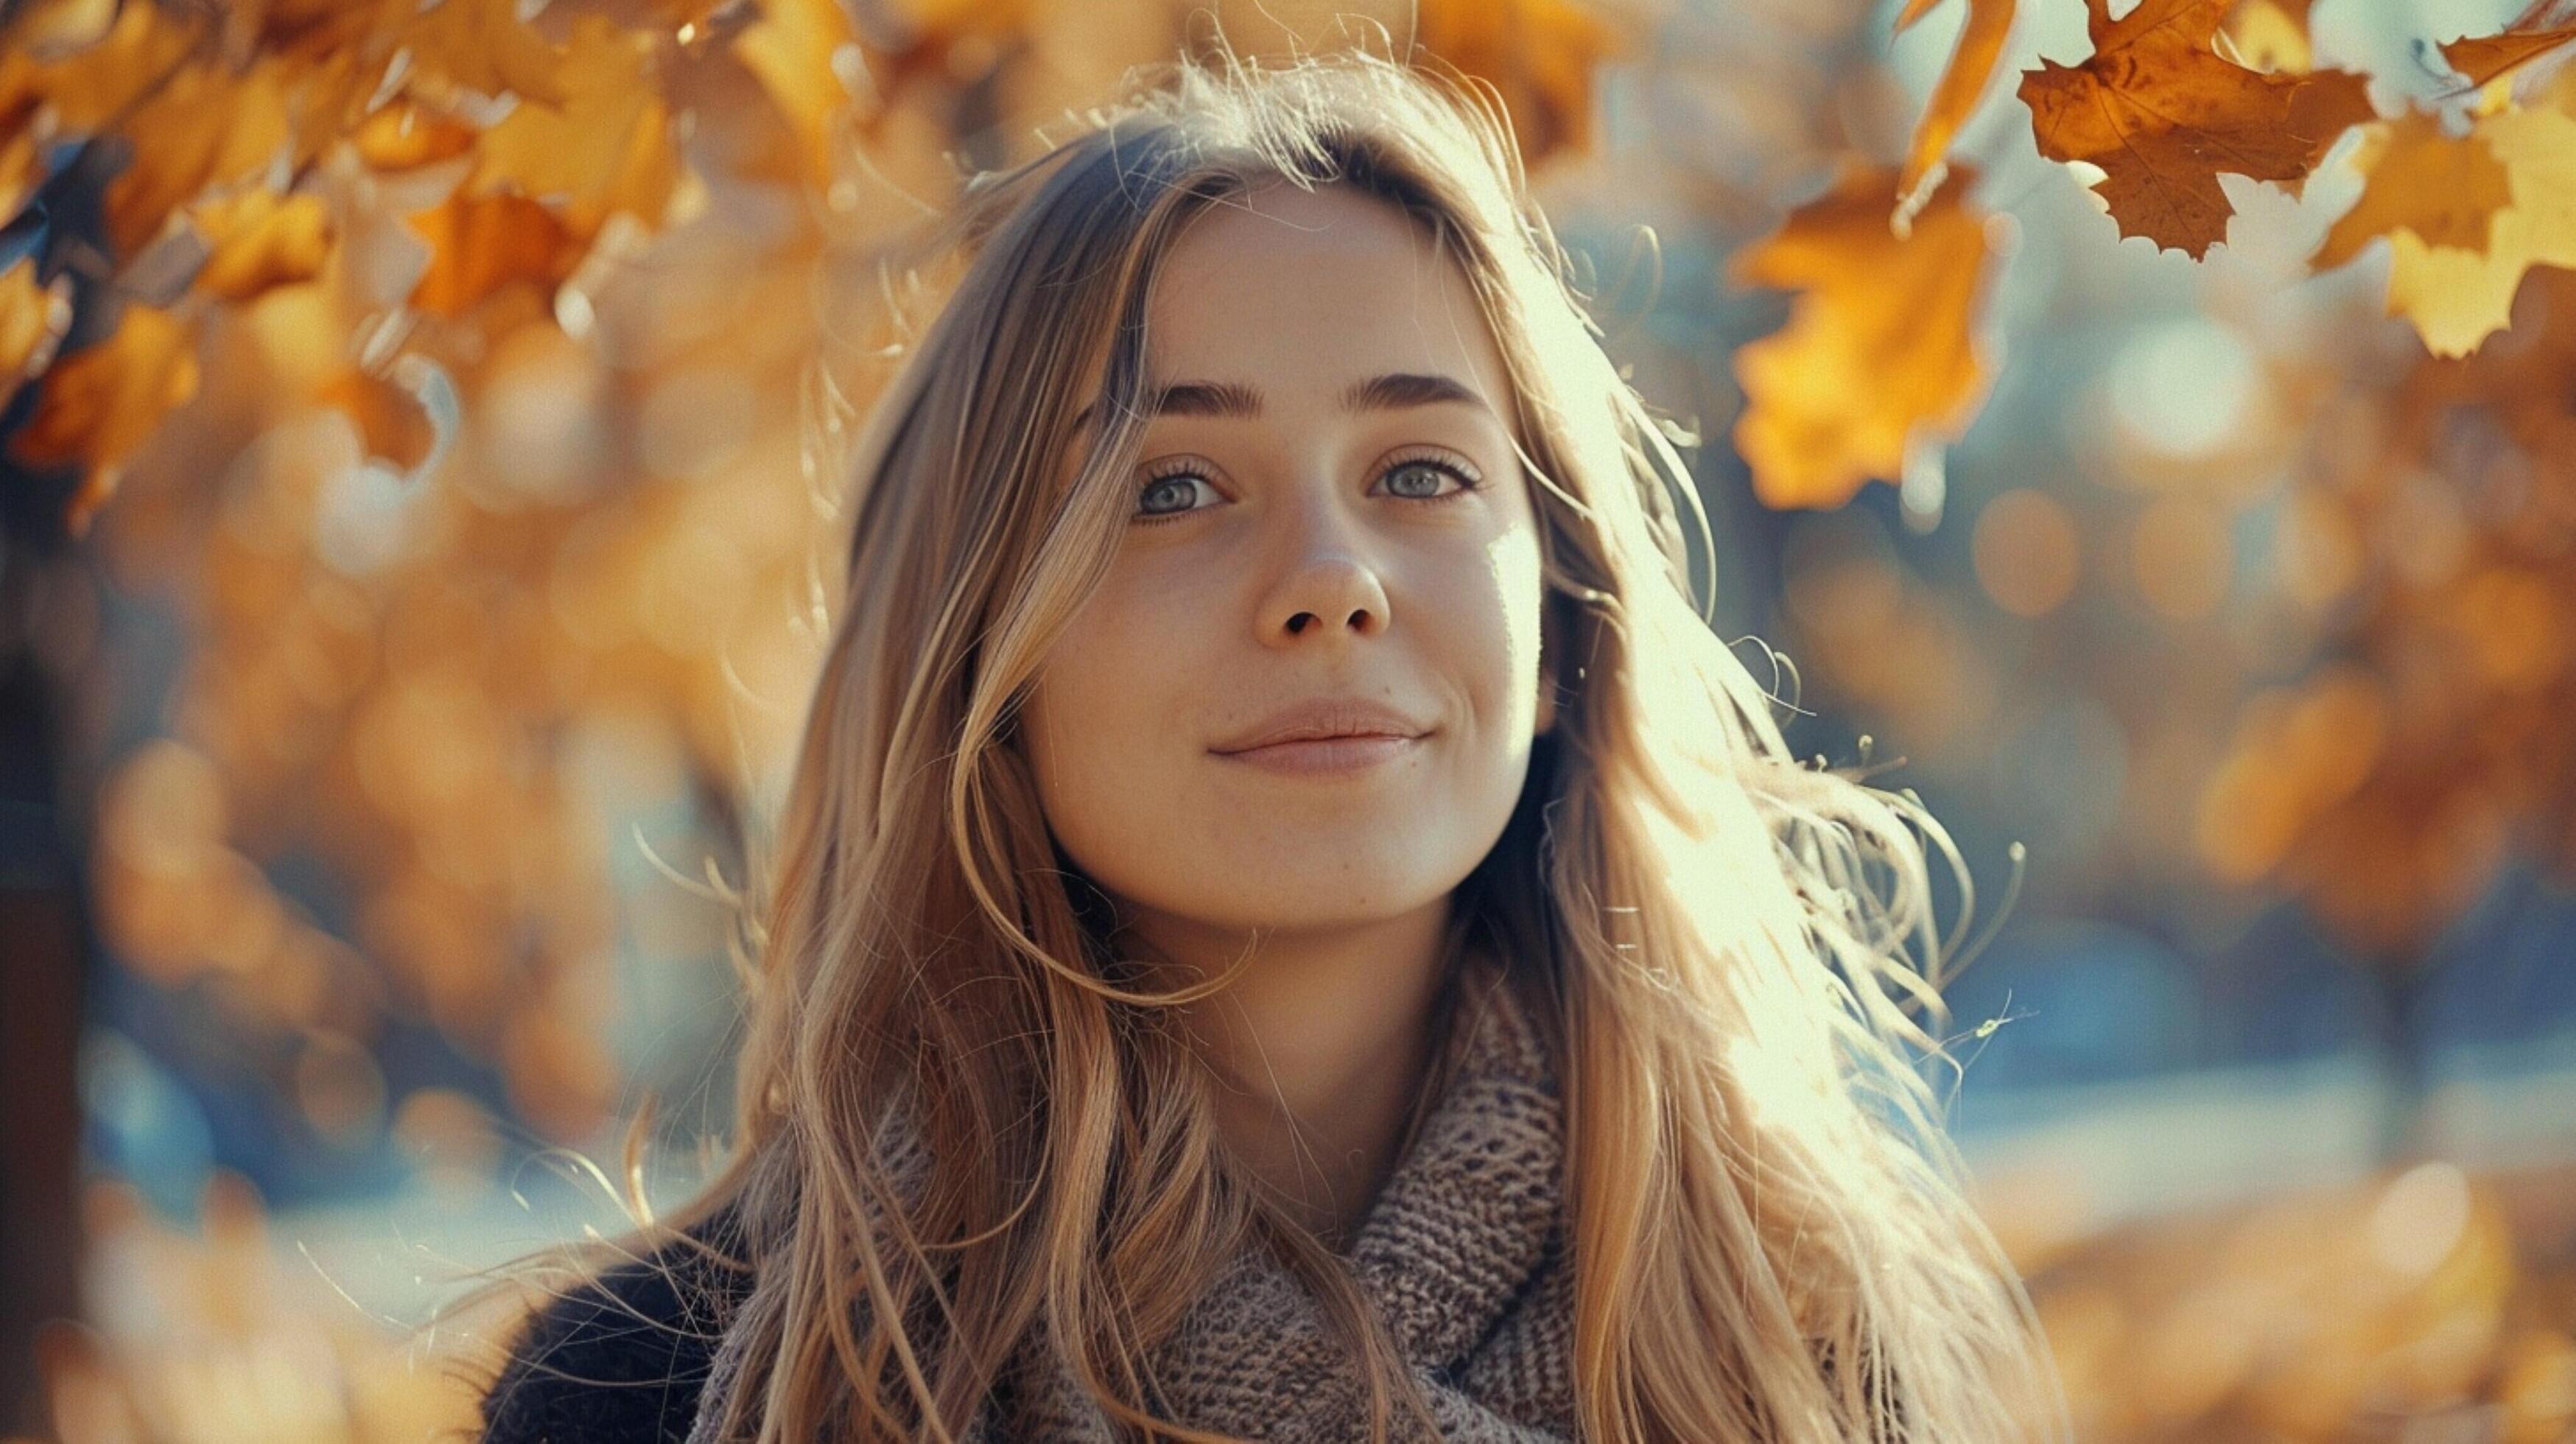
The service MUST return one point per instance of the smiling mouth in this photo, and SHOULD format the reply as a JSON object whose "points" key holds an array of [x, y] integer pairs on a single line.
{"points": [[1328, 756]]}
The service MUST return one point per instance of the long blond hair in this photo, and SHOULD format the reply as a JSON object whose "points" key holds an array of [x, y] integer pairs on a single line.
{"points": [[1771, 1232]]}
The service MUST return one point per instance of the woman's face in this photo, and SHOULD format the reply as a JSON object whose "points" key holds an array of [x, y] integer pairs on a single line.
{"points": [[1286, 546]]}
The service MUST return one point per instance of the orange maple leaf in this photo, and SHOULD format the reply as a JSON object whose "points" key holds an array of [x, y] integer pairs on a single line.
{"points": [[2161, 113], [1879, 350], [1541, 54], [481, 243], [1962, 84], [391, 423], [105, 400]]}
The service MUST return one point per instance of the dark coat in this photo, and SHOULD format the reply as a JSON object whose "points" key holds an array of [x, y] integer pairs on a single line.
{"points": [[621, 1358]]}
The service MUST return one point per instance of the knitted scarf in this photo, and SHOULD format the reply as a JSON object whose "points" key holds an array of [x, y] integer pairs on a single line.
{"points": [[1462, 1253]]}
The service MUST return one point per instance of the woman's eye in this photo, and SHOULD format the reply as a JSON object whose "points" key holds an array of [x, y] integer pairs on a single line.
{"points": [[1411, 478], [1171, 485]]}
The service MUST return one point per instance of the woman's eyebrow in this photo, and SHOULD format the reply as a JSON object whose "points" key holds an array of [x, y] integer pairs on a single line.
{"points": [[1393, 391]]}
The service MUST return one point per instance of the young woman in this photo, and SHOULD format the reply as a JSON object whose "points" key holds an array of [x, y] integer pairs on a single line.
{"points": [[1288, 924]]}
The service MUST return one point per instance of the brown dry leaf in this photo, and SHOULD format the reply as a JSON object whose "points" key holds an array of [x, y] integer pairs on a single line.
{"points": [[1879, 349], [481, 243], [390, 419], [261, 239], [320, 30], [2493, 56], [206, 127], [103, 401], [607, 147], [485, 47], [2162, 114], [942, 43], [1541, 54], [1962, 84]]}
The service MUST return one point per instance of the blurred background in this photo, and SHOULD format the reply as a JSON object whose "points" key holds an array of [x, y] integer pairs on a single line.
{"points": [[417, 448]]}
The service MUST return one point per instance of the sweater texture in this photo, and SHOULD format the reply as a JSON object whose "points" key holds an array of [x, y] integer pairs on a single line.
{"points": [[1462, 1254]]}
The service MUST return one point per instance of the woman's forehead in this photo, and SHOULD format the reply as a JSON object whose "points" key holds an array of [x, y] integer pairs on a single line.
{"points": [[1307, 297]]}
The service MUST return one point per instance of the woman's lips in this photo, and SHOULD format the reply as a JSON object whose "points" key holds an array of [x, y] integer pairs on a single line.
{"points": [[1325, 756]]}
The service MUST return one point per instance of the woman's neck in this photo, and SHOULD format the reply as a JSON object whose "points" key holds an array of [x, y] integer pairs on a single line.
{"points": [[1323, 1046]]}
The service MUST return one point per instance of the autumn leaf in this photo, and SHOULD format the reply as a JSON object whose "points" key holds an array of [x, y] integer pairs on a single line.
{"points": [[260, 239], [2444, 190], [102, 402], [2523, 40], [790, 49], [332, 101], [363, 32], [204, 127], [407, 135], [1962, 84], [605, 148], [87, 88], [391, 421], [2161, 113], [2425, 193], [1878, 352], [485, 47], [1541, 54], [479, 244]]}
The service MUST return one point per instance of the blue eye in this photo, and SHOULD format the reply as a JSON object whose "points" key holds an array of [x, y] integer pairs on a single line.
{"points": [[1165, 475]]}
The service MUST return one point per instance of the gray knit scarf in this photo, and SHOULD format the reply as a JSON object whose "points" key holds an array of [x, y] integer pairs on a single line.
{"points": [[1463, 1254]]}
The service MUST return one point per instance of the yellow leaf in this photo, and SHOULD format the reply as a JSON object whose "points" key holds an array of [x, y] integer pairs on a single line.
{"points": [[90, 87], [485, 47], [261, 239], [1879, 351], [205, 127], [606, 148], [2269, 35], [791, 49], [2458, 298], [406, 135], [2445, 190]]}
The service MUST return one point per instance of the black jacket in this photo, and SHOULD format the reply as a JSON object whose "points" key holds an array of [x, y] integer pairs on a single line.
{"points": [[621, 1358]]}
